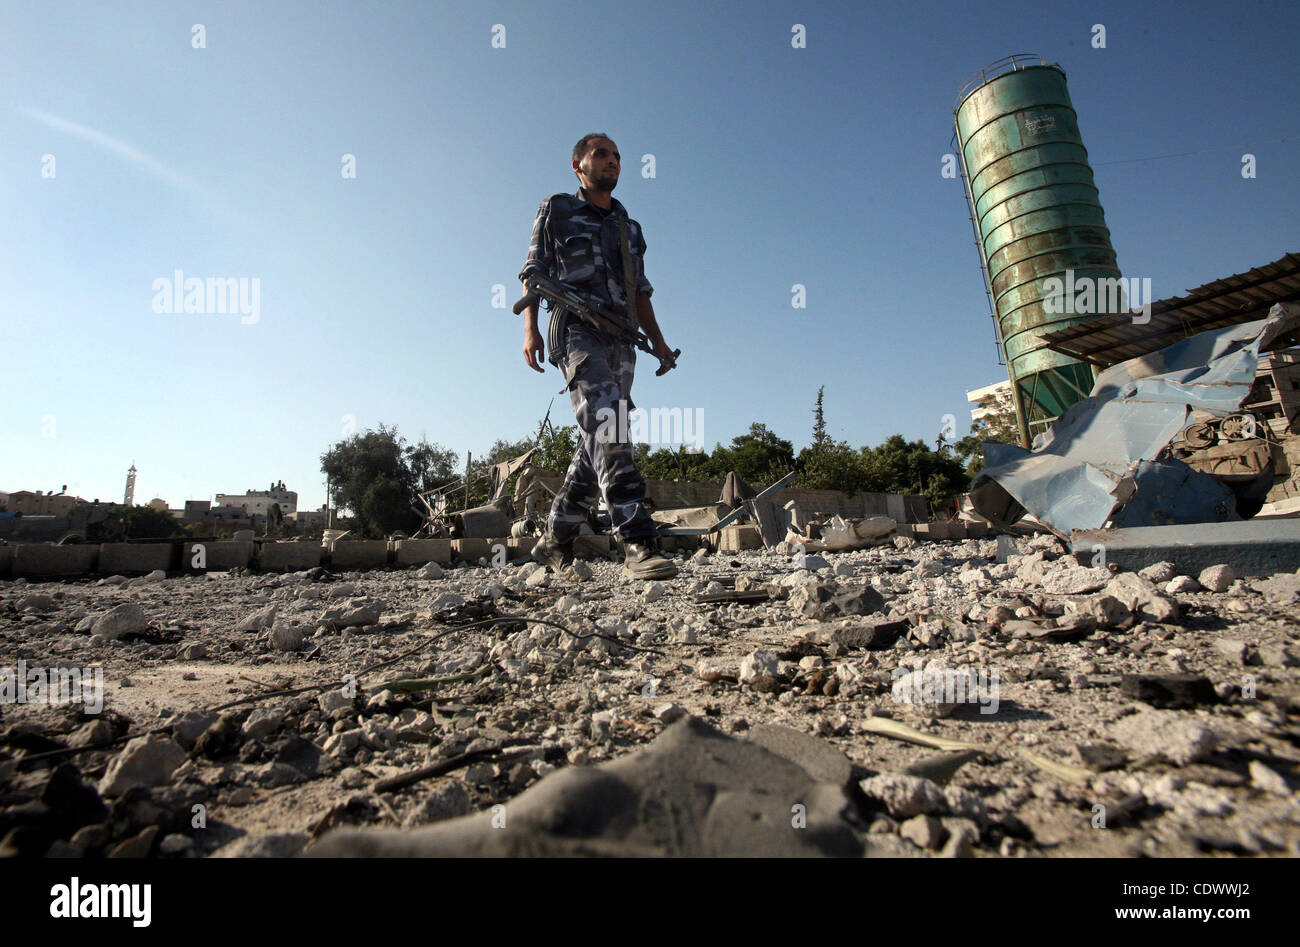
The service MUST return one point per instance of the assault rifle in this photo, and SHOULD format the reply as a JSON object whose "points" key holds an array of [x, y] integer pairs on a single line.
{"points": [[561, 295]]}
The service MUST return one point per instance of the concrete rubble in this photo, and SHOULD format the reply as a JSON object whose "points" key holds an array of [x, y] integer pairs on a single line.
{"points": [[986, 698]]}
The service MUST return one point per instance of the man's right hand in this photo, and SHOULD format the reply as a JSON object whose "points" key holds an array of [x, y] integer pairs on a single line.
{"points": [[534, 350]]}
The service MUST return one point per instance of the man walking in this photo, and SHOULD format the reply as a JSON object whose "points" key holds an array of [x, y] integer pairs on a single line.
{"points": [[587, 240]]}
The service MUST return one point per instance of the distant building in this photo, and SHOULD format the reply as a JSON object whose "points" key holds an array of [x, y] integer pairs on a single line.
{"points": [[259, 502], [990, 400], [310, 519], [37, 503]]}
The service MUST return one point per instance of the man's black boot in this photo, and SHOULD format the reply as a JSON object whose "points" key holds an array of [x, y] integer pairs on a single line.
{"points": [[645, 561], [549, 551]]}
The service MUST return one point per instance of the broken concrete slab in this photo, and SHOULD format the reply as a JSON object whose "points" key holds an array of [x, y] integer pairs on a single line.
{"points": [[819, 759], [692, 792], [1250, 547]]}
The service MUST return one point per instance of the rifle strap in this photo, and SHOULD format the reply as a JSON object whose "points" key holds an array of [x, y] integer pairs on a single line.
{"points": [[629, 274]]}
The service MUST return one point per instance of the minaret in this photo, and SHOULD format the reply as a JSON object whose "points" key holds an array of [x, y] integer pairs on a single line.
{"points": [[130, 486]]}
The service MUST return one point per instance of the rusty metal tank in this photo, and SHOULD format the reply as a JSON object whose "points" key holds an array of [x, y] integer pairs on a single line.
{"points": [[1038, 223]]}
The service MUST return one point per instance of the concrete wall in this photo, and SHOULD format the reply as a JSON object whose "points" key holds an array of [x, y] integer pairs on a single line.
{"points": [[218, 555], [417, 552], [117, 558], [359, 553], [36, 560], [290, 557]]}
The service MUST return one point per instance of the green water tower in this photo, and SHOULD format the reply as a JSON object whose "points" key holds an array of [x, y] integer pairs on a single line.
{"points": [[1038, 224]]}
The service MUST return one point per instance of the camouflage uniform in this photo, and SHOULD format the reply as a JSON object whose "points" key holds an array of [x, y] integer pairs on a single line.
{"points": [[578, 243]]}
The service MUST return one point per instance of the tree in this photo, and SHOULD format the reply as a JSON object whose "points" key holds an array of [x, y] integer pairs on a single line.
{"points": [[998, 425], [375, 476], [144, 522], [759, 457], [827, 464], [819, 422], [902, 466]]}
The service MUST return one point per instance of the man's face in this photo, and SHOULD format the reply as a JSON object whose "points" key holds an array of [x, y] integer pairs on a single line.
{"points": [[600, 165]]}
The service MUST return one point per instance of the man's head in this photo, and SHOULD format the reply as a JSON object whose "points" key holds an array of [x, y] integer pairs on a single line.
{"points": [[596, 162]]}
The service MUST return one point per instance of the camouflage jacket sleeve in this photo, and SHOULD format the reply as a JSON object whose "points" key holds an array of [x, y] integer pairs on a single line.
{"points": [[541, 257]]}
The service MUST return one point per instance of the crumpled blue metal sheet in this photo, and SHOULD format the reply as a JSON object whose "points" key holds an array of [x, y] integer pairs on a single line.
{"points": [[1096, 457]]}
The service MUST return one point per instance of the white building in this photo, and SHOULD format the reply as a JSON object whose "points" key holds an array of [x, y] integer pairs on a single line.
{"points": [[259, 502], [991, 399]]}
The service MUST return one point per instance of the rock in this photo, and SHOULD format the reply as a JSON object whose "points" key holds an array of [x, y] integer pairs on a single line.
{"points": [[813, 563], [430, 570], [1234, 649], [189, 726], [939, 690], [193, 652], [125, 619], [652, 591], [904, 796], [1159, 573], [286, 637], [1169, 690], [669, 713], [142, 762], [261, 723], [1076, 581], [581, 570], [1182, 584], [137, 846], [175, 844], [449, 799], [1282, 589], [924, 831], [1176, 737], [36, 601], [331, 701], [1217, 578], [1101, 756], [756, 665], [1141, 596], [961, 843], [693, 792], [157, 575], [355, 614], [1276, 654], [113, 580], [1108, 611], [538, 579], [272, 845], [260, 620], [1268, 780]]}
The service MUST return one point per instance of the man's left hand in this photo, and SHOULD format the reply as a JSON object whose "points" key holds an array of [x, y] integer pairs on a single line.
{"points": [[662, 352]]}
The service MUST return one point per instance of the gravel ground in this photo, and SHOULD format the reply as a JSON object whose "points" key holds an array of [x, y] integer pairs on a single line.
{"points": [[1119, 714]]}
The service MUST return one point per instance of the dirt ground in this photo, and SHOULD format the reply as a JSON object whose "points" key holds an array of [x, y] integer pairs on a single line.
{"points": [[1118, 715]]}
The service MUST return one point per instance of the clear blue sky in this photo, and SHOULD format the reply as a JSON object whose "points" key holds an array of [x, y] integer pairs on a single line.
{"points": [[774, 166]]}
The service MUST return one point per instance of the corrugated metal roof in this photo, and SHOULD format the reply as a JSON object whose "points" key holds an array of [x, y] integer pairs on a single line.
{"points": [[1244, 297]]}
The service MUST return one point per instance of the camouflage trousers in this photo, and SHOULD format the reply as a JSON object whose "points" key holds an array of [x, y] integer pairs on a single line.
{"points": [[599, 375]]}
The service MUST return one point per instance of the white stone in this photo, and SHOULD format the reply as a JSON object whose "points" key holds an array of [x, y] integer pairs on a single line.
{"points": [[1217, 578], [125, 619]]}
